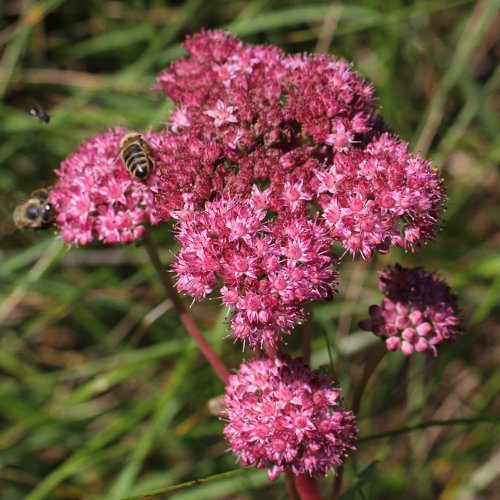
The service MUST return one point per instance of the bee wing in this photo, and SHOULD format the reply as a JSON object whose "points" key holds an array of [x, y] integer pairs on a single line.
{"points": [[8, 203]]}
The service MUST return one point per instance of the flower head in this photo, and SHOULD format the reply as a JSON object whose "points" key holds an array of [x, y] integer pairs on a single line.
{"points": [[306, 128], [97, 197], [270, 116], [380, 197], [265, 269], [419, 311], [283, 416]]}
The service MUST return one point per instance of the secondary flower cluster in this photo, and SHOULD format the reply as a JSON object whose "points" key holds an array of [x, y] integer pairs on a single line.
{"points": [[419, 311], [266, 268], [96, 196], [380, 196], [283, 416]]}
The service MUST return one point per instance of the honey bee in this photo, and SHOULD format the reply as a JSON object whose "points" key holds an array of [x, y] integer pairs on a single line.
{"points": [[37, 112], [36, 212], [134, 152]]}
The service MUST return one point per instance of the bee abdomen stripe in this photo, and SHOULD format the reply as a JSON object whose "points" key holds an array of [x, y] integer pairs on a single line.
{"points": [[135, 158], [138, 163], [129, 153], [138, 166]]}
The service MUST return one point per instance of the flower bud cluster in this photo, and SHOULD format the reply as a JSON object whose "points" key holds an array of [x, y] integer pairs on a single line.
{"points": [[283, 416], [266, 269], [419, 311]]}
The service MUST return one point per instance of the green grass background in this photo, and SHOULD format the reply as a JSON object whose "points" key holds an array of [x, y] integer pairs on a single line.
{"points": [[102, 394]]}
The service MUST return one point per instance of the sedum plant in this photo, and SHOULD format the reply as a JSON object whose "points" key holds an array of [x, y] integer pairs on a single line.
{"points": [[275, 168]]}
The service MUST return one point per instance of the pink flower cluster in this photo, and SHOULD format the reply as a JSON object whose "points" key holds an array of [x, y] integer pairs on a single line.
{"points": [[304, 125], [258, 141], [266, 268], [301, 126], [264, 110], [187, 166], [97, 197], [251, 99], [419, 311], [380, 196], [283, 416]]}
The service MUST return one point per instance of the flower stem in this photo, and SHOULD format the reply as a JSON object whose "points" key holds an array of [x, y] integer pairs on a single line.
{"points": [[270, 350], [307, 334], [290, 486], [337, 484], [375, 358], [307, 487], [181, 311], [371, 364]]}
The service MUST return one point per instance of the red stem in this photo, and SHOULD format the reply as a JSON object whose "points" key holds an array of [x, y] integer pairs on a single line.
{"points": [[290, 486], [181, 311], [307, 487], [270, 350], [307, 334]]}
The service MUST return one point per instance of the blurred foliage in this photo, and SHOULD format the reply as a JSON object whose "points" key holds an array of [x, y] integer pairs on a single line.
{"points": [[101, 393]]}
